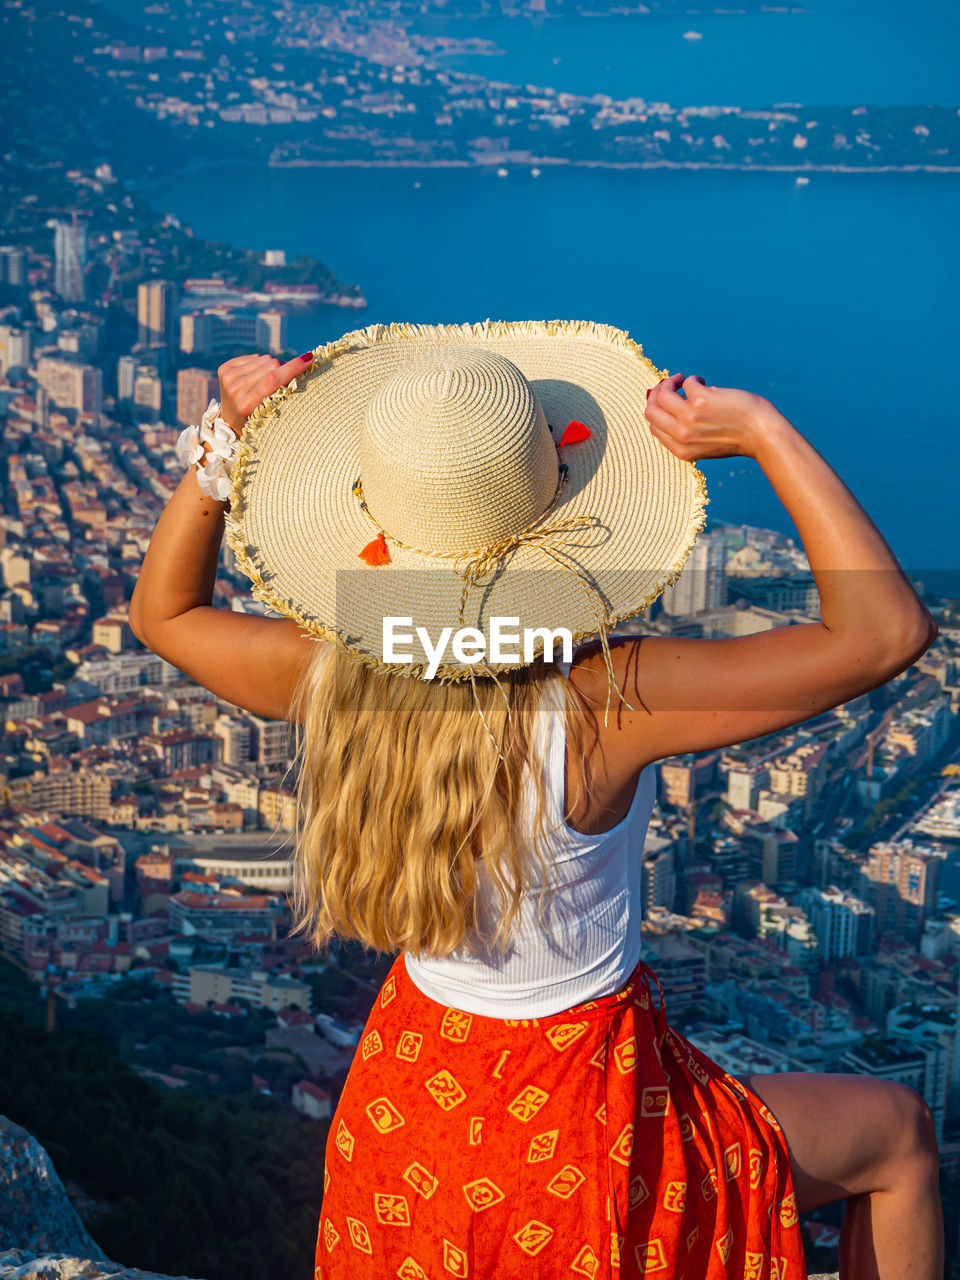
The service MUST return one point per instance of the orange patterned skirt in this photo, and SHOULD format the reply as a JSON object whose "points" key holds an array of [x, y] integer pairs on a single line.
{"points": [[596, 1142]]}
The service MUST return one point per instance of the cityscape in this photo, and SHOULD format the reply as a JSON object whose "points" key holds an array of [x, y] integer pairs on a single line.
{"points": [[801, 892], [369, 83]]}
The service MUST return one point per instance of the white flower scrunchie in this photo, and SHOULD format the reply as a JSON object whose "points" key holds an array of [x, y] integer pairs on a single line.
{"points": [[214, 466]]}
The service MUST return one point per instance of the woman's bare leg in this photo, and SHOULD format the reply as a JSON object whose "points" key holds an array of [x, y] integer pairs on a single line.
{"points": [[871, 1142]]}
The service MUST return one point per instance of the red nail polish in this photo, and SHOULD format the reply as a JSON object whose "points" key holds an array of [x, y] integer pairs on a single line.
{"points": [[649, 389], [307, 355]]}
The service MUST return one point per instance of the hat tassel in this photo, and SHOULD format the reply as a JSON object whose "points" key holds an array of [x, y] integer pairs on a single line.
{"points": [[574, 433], [376, 552]]}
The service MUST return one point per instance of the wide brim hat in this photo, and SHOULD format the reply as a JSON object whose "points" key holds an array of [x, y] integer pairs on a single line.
{"points": [[448, 475]]}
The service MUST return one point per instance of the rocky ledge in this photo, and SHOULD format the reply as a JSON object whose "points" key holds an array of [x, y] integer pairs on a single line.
{"points": [[20, 1264], [41, 1236]]}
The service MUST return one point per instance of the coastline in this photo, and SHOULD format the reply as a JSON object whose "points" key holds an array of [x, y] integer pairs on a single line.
{"points": [[542, 162], [144, 182]]}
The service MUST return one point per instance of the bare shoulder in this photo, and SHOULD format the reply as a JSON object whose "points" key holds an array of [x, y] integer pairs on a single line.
{"points": [[588, 671]]}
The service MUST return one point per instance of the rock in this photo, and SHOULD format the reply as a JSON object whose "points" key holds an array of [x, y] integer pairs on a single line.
{"points": [[41, 1236], [19, 1264], [35, 1212]]}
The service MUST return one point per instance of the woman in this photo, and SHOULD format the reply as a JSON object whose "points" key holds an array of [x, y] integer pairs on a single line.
{"points": [[519, 1104]]}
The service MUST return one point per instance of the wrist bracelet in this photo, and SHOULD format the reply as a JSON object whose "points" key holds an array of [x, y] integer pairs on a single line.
{"points": [[215, 464]]}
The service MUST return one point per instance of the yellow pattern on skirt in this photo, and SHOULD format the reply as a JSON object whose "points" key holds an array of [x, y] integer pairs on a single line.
{"points": [[595, 1143]]}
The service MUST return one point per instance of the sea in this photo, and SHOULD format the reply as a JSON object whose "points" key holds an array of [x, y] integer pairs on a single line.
{"points": [[836, 299]]}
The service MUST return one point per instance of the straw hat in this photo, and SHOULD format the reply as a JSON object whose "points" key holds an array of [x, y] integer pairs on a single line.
{"points": [[450, 474]]}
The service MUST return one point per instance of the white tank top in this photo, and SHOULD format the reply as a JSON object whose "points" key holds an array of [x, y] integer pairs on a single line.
{"points": [[588, 942]]}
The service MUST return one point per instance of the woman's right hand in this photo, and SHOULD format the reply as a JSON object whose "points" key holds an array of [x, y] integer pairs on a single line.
{"points": [[712, 422]]}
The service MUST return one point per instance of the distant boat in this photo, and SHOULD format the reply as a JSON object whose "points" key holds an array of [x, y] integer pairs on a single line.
{"points": [[502, 173], [416, 186], [693, 35], [534, 173], [801, 180]]}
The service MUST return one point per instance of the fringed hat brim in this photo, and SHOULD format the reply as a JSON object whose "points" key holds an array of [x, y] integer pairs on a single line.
{"points": [[297, 530]]}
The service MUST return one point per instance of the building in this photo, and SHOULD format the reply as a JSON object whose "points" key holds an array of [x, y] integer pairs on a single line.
{"points": [[802, 772], [683, 778], [221, 915], [13, 264], [741, 1056], [128, 671], [70, 259], [208, 984], [843, 923], [15, 348], [790, 929], [900, 881], [681, 968], [658, 878], [82, 340], [252, 859], [915, 1066], [941, 936], [195, 389], [311, 1100], [71, 385], [183, 748], [744, 784], [743, 960], [272, 331], [225, 328], [154, 878], [113, 632], [752, 902], [15, 569], [926, 1025], [703, 582], [272, 740], [784, 593], [920, 732], [126, 372], [156, 314], [237, 738], [147, 394], [84, 792], [42, 416], [140, 382], [337, 1031], [727, 859], [276, 806], [771, 852]]}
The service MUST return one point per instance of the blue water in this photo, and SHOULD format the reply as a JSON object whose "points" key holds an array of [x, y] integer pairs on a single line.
{"points": [[836, 300], [855, 52]]}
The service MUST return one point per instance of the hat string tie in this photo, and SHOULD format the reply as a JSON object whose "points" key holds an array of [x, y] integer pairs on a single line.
{"points": [[542, 537], [473, 566]]}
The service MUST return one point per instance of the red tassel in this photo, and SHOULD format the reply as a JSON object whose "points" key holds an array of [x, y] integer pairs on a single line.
{"points": [[575, 432], [376, 552]]}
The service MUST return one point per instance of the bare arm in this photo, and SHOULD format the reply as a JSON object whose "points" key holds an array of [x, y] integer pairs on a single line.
{"points": [[692, 695], [248, 660]]}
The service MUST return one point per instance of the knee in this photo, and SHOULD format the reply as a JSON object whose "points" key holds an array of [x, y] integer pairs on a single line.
{"points": [[913, 1132]]}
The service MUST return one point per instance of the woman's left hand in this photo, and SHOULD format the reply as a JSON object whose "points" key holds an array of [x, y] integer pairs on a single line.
{"points": [[247, 380]]}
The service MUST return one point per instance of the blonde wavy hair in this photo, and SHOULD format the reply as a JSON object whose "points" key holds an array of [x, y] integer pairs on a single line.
{"points": [[401, 798]]}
